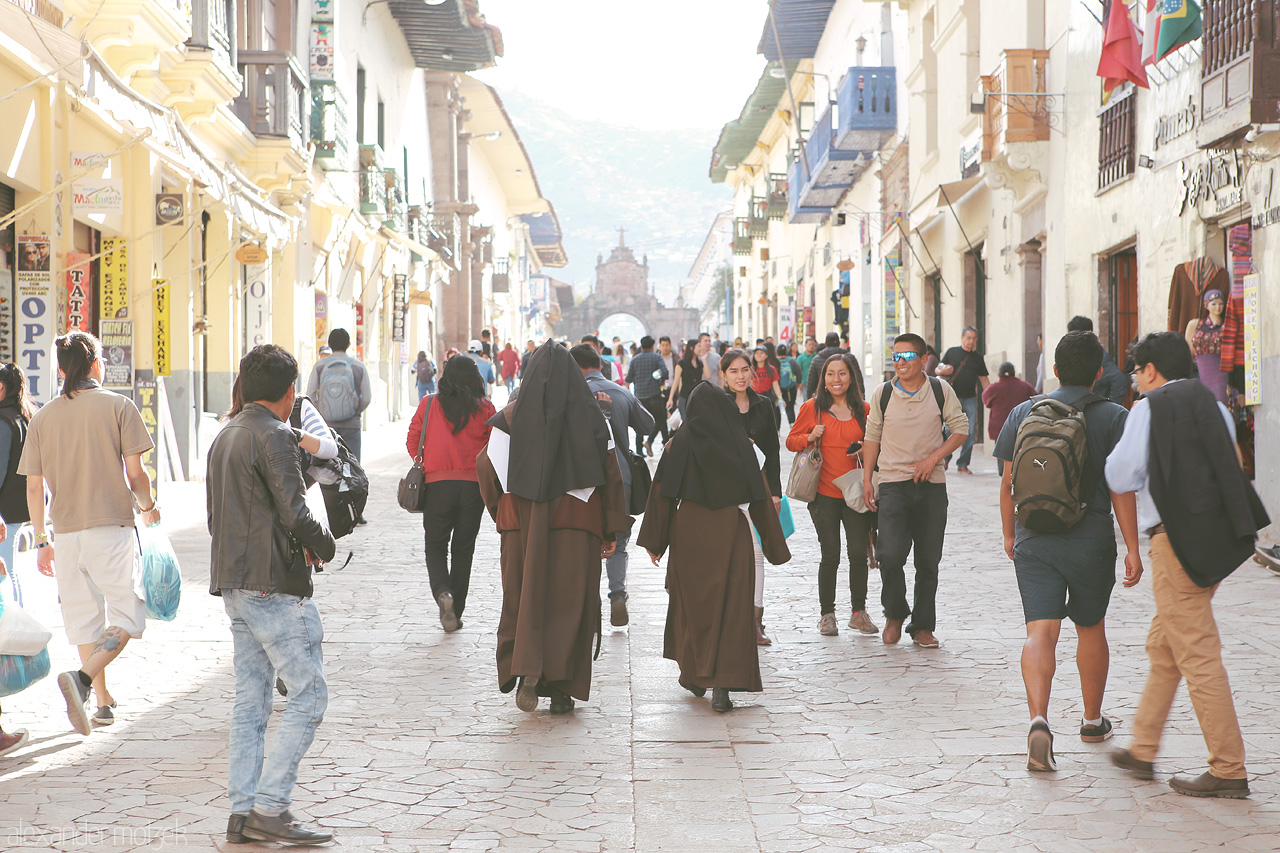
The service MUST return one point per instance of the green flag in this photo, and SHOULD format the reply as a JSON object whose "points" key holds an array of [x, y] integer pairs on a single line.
{"points": [[1179, 24]]}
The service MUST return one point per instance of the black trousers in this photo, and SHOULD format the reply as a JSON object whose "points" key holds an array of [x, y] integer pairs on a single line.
{"points": [[829, 515], [656, 406], [451, 521], [911, 515], [789, 399]]}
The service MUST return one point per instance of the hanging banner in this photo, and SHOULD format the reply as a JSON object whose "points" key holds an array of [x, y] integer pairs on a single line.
{"points": [[892, 276], [360, 330], [35, 303], [786, 318], [257, 305], [397, 308], [322, 319], [114, 280], [322, 52], [75, 302], [160, 325], [1252, 343], [117, 353], [7, 259], [147, 399]]}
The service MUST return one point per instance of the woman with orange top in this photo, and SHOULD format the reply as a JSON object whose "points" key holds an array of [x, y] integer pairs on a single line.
{"points": [[835, 419]]}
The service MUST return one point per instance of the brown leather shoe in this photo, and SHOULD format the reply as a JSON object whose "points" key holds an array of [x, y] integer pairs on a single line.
{"points": [[762, 639], [1139, 769], [1208, 785], [892, 632], [925, 639]]}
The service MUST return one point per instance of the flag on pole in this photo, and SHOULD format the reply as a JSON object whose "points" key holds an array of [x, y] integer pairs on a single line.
{"points": [[1121, 58], [1170, 25]]}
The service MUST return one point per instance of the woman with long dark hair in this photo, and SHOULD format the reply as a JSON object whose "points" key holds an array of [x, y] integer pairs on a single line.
{"points": [[707, 494], [688, 374], [758, 418], [766, 380], [456, 432], [16, 411], [836, 419]]}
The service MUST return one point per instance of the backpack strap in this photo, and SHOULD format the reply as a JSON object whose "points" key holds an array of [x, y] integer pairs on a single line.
{"points": [[936, 384]]}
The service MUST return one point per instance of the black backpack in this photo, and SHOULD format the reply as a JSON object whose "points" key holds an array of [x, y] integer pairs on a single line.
{"points": [[344, 499]]}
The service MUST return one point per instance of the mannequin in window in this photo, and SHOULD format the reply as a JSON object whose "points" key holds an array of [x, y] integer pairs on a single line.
{"points": [[1205, 339]]}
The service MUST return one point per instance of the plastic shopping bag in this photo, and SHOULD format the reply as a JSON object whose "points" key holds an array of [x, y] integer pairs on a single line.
{"points": [[20, 634], [160, 575], [18, 672]]}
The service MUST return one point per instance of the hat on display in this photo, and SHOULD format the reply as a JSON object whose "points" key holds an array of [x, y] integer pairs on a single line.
{"points": [[1210, 295]]}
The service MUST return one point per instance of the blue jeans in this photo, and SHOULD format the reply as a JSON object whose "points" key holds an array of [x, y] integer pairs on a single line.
{"points": [[351, 438], [970, 406], [425, 388], [616, 568], [274, 635]]}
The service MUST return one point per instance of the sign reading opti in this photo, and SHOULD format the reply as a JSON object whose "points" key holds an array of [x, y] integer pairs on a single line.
{"points": [[161, 332], [35, 311]]}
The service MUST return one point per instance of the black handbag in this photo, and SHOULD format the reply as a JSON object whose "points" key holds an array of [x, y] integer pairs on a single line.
{"points": [[413, 486], [641, 482]]}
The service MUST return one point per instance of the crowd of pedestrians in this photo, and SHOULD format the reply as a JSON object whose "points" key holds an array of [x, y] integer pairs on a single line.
{"points": [[553, 469]]}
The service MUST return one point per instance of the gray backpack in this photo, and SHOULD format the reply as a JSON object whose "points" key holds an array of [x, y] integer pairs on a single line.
{"points": [[337, 397], [1053, 478]]}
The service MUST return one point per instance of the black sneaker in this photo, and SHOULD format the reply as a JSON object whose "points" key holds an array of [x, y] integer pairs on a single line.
{"points": [[105, 715], [235, 829], [77, 696], [1040, 749], [1095, 734], [282, 828], [561, 703], [720, 700]]}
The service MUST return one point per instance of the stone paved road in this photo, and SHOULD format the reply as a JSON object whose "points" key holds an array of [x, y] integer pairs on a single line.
{"points": [[852, 746]]}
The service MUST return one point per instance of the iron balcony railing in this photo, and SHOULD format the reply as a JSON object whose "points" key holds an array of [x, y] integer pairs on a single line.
{"points": [[275, 97]]}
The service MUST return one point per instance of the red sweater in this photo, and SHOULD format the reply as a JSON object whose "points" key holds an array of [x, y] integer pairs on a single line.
{"points": [[449, 456]]}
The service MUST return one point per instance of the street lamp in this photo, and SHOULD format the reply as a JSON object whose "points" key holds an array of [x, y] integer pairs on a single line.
{"points": [[777, 72]]}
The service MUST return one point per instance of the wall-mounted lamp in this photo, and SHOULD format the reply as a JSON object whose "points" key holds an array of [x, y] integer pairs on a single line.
{"points": [[1146, 162], [491, 135]]}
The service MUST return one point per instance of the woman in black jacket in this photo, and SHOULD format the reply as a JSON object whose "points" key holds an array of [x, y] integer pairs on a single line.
{"points": [[758, 416]]}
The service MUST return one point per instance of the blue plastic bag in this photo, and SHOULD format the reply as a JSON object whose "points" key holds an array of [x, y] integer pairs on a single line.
{"points": [[18, 672], [160, 575], [785, 519]]}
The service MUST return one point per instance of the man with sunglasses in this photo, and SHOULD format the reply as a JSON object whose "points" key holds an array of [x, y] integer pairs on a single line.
{"points": [[905, 440]]}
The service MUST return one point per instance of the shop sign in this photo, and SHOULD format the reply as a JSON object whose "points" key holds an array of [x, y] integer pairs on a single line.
{"points": [[1218, 179], [786, 319], [252, 254], [88, 159], [892, 278], [76, 301], [257, 305], [170, 208], [147, 398], [322, 10], [321, 52], [117, 353], [35, 315], [1266, 207], [1252, 342], [322, 318], [114, 280], [6, 308], [360, 330], [398, 308], [97, 195], [161, 332], [971, 155], [1170, 127]]}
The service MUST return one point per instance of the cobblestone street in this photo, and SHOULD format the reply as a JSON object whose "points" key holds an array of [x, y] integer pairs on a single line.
{"points": [[851, 746]]}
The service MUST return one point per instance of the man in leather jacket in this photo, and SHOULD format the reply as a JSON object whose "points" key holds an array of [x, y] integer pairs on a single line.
{"points": [[260, 524]]}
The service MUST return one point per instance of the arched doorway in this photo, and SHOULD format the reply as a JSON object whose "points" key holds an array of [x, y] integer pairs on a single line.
{"points": [[628, 327]]}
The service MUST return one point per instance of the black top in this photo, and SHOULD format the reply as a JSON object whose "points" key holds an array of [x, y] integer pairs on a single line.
{"points": [[689, 368], [558, 435], [13, 494], [763, 430], [1209, 509], [710, 460], [968, 367]]}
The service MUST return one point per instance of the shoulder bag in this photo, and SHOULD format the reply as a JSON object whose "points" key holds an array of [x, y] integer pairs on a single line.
{"points": [[802, 482], [413, 485]]}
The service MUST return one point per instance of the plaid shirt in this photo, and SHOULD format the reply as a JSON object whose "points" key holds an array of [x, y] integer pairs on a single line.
{"points": [[640, 374]]}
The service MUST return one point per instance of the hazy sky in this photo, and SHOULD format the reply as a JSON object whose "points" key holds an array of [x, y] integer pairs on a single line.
{"points": [[653, 64]]}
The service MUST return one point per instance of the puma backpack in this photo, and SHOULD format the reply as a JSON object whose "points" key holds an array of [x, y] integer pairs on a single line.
{"points": [[1053, 479]]}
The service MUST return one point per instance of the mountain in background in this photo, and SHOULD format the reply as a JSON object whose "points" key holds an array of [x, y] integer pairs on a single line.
{"points": [[601, 177]]}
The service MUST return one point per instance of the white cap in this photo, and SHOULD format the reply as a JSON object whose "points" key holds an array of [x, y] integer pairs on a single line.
{"points": [[476, 346]]}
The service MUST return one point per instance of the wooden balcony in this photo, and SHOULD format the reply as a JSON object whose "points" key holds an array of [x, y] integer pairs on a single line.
{"points": [[759, 225], [208, 75], [742, 236], [1017, 105], [777, 195], [1240, 69], [275, 98], [820, 178], [868, 108]]}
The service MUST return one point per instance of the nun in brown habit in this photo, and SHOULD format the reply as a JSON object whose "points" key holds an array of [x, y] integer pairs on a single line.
{"points": [[551, 482], [707, 485]]}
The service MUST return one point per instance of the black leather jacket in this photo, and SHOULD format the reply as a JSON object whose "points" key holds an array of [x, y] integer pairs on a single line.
{"points": [[257, 509]]}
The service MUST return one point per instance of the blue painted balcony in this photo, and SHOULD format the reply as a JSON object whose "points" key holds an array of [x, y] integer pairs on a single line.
{"points": [[868, 109], [831, 171]]}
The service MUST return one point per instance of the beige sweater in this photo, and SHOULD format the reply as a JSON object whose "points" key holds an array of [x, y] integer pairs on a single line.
{"points": [[910, 429]]}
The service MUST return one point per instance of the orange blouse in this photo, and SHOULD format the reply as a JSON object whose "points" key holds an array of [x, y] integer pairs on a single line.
{"points": [[835, 440]]}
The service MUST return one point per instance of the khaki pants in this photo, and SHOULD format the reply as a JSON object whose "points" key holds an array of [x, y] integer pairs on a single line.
{"points": [[1183, 643]]}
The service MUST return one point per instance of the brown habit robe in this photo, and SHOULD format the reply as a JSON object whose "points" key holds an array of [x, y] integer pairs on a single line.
{"points": [[711, 630], [551, 578]]}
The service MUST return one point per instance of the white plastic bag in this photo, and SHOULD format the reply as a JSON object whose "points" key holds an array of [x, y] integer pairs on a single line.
{"points": [[20, 634]]}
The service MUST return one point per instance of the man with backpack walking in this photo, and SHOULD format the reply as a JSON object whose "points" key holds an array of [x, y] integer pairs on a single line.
{"points": [[339, 387], [904, 438], [1056, 514]]}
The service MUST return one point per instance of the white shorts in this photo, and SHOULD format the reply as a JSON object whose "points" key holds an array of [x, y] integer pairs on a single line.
{"points": [[99, 573]]}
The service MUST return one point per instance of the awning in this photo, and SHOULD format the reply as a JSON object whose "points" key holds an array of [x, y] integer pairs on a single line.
{"points": [[412, 245], [929, 206]]}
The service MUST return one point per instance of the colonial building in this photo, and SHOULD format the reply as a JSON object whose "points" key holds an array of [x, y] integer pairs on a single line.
{"points": [[622, 298]]}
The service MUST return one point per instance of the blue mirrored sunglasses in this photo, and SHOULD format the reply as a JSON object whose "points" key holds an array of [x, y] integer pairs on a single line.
{"points": [[905, 356]]}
